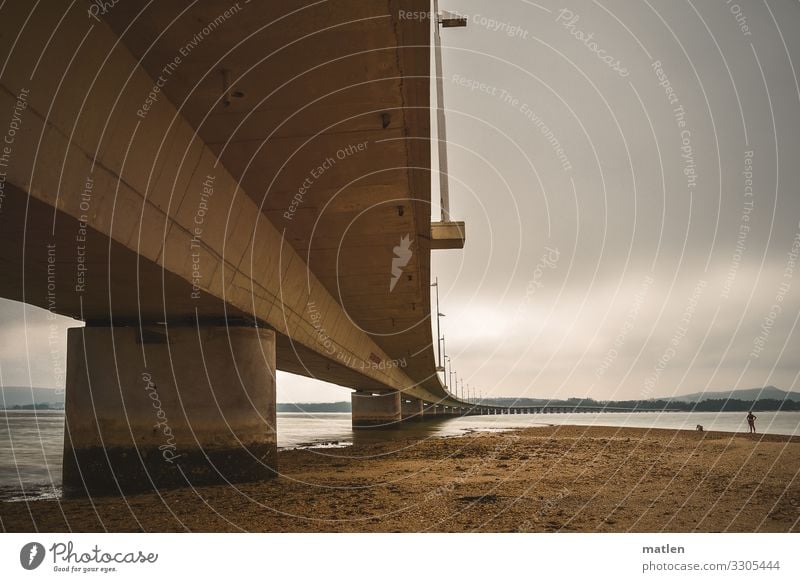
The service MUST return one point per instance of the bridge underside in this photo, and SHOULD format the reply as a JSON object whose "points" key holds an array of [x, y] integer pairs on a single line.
{"points": [[38, 251], [320, 112]]}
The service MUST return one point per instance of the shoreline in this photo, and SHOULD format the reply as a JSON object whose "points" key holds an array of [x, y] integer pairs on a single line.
{"points": [[543, 479], [12, 493]]}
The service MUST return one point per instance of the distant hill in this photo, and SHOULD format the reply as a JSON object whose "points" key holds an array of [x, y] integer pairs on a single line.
{"points": [[23, 395], [767, 392], [313, 407]]}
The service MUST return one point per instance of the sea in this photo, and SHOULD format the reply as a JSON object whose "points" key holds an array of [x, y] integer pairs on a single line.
{"points": [[31, 442]]}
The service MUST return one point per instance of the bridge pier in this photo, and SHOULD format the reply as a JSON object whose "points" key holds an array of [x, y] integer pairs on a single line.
{"points": [[167, 407], [375, 410], [411, 408]]}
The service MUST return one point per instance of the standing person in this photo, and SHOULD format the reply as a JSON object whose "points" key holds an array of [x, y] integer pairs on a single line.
{"points": [[751, 422]]}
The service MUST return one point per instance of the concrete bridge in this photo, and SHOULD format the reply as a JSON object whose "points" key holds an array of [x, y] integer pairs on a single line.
{"points": [[218, 190]]}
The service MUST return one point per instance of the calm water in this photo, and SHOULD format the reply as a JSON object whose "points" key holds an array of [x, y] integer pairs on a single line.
{"points": [[31, 443]]}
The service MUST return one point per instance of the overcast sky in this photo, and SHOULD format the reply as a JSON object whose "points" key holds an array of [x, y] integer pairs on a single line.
{"points": [[649, 294], [615, 247]]}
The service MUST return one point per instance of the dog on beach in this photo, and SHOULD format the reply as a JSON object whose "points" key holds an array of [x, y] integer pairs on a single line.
{"points": [[699, 428]]}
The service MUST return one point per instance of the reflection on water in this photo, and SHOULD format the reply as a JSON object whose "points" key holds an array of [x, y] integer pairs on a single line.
{"points": [[333, 429], [31, 443], [304, 429]]}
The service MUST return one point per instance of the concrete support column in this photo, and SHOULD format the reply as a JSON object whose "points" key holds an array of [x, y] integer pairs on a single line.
{"points": [[411, 408], [375, 410], [167, 407]]}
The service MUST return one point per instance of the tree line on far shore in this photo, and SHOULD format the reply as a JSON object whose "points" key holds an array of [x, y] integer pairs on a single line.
{"points": [[712, 405], [37, 406], [708, 405]]}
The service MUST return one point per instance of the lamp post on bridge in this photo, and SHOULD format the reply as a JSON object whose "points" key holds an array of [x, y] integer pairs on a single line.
{"points": [[439, 336]]}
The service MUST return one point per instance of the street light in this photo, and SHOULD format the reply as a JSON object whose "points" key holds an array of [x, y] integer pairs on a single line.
{"points": [[444, 351], [439, 337]]}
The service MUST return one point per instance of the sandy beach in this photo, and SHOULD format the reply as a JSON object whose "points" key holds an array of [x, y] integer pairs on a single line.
{"points": [[550, 479]]}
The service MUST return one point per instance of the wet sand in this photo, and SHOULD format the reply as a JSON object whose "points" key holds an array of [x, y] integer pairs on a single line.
{"points": [[548, 479]]}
